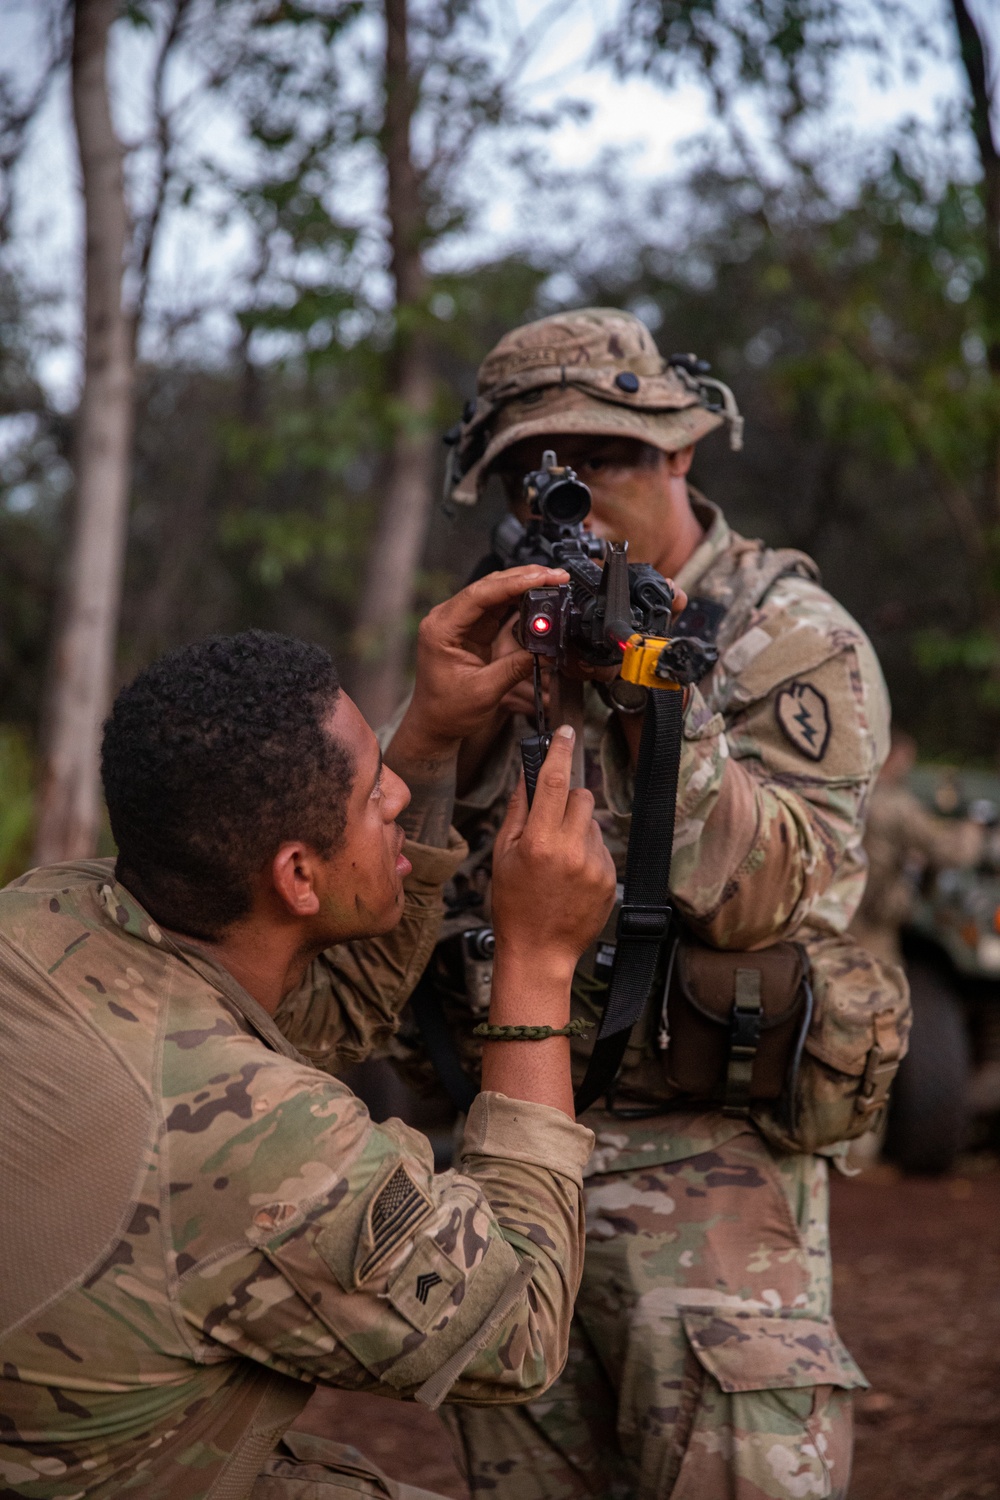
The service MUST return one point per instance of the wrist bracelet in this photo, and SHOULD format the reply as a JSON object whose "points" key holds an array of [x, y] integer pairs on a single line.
{"points": [[530, 1033]]}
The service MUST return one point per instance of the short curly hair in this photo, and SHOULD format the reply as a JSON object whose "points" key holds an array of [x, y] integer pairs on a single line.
{"points": [[212, 758]]}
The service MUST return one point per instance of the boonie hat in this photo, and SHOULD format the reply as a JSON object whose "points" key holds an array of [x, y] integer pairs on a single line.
{"points": [[596, 371]]}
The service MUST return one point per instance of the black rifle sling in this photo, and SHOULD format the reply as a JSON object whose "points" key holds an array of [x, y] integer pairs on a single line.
{"points": [[644, 919]]}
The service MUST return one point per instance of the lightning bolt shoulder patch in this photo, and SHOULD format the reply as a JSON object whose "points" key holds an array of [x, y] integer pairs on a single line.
{"points": [[804, 717]]}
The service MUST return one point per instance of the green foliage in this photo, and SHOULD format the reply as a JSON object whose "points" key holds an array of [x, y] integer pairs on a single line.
{"points": [[974, 651], [846, 304], [854, 334], [34, 480], [17, 789], [255, 491]]}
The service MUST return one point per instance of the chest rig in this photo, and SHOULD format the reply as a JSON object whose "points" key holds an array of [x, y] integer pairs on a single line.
{"points": [[459, 976]]}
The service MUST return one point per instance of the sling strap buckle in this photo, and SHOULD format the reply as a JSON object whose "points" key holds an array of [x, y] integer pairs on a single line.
{"points": [[643, 924]]}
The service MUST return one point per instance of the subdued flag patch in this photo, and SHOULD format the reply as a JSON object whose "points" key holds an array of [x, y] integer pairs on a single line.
{"points": [[395, 1213]]}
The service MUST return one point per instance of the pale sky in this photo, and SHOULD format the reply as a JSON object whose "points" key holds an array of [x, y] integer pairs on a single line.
{"points": [[198, 257]]}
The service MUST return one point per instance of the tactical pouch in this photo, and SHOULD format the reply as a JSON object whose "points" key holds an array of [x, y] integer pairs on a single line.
{"points": [[736, 1024]]}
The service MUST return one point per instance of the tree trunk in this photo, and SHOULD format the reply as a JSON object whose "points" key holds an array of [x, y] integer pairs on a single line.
{"points": [[383, 616], [83, 649], [974, 60]]}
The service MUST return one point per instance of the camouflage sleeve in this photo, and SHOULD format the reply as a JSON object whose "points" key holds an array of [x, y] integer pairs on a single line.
{"points": [[773, 787], [350, 999], [325, 1246]]}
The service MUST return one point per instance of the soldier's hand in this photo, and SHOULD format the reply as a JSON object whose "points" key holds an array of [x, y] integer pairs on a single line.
{"points": [[519, 699], [553, 877], [459, 681]]}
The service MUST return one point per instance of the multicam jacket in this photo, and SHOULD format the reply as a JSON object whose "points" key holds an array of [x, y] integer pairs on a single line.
{"points": [[782, 743], [198, 1223]]}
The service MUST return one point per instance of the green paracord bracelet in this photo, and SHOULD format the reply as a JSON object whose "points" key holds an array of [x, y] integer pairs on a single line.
{"points": [[530, 1033]]}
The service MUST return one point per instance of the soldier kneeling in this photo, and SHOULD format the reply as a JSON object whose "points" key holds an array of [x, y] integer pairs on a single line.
{"points": [[201, 1222]]}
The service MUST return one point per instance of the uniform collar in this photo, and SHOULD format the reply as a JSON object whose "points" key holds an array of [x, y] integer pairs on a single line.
{"points": [[717, 539], [124, 911]]}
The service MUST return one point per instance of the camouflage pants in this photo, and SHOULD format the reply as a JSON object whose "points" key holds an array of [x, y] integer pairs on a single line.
{"points": [[314, 1468], [703, 1362]]}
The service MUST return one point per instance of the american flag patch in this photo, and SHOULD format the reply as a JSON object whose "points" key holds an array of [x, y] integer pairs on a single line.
{"points": [[395, 1213]]}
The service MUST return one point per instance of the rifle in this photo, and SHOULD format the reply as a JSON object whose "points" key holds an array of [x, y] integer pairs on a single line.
{"points": [[615, 615]]}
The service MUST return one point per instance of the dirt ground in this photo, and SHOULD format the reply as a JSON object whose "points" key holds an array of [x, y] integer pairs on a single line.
{"points": [[917, 1300]]}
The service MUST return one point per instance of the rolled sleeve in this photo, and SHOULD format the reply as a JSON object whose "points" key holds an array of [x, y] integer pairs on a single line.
{"points": [[360, 1266], [432, 866], [528, 1160], [535, 1134]]}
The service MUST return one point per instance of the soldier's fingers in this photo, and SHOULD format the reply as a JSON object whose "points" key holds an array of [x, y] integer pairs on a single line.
{"points": [[548, 807], [596, 839], [505, 641], [501, 675], [520, 700], [680, 603], [517, 813], [496, 590], [605, 862], [579, 812]]}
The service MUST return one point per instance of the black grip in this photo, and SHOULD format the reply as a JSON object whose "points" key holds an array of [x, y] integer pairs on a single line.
{"points": [[534, 748]]}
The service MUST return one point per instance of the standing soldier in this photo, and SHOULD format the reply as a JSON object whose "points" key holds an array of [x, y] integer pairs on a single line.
{"points": [[704, 1361], [900, 830]]}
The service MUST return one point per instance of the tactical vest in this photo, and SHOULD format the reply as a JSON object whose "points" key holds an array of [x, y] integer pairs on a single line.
{"points": [[859, 1011]]}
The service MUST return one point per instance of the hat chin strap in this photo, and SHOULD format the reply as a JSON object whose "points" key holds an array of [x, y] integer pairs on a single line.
{"points": [[730, 410]]}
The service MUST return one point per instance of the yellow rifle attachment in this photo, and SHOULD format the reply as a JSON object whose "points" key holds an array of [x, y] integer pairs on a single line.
{"points": [[641, 660]]}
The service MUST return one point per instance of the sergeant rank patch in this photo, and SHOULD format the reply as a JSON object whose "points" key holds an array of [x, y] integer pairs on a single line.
{"points": [[804, 716]]}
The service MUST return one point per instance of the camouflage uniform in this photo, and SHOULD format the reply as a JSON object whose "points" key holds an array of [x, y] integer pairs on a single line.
{"points": [[900, 829], [704, 1361], [199, 1224]]}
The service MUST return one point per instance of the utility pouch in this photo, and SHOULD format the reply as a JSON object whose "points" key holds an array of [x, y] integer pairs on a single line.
{"points": [[735, 1025]]}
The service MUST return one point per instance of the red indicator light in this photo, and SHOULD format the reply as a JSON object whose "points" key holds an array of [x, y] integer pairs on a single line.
{"points": [[541, 625]]}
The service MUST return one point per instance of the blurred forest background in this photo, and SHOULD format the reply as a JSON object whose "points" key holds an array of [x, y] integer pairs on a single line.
{"points": [[307, 222]]}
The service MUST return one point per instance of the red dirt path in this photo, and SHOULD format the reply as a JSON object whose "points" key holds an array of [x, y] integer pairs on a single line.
{"points": [[917, 1300]]}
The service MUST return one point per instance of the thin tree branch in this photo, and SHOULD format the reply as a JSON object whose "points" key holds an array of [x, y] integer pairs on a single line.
{"points": [[15, 121], [976, 65], [145, 231]]}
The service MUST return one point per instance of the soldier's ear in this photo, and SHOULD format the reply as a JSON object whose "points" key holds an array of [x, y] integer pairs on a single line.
{"points": [[293, 871], [679, 463]]}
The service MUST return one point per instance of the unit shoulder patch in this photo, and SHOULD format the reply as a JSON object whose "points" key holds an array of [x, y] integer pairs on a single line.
{"points": [[804, 716]]}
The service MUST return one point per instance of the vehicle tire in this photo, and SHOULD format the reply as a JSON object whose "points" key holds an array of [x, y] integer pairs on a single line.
{"points": [[929, 1108]]}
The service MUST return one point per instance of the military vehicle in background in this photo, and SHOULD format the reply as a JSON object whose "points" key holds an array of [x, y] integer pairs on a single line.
{"points": [[948, 1086]]}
